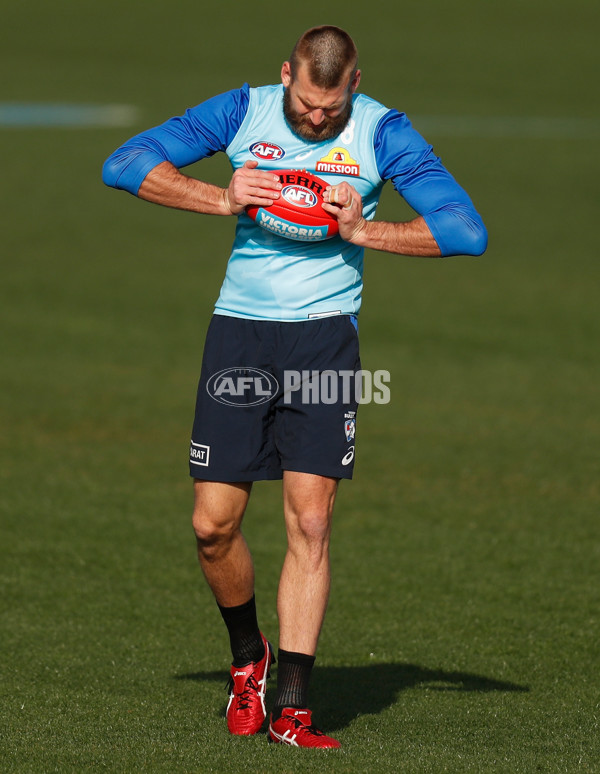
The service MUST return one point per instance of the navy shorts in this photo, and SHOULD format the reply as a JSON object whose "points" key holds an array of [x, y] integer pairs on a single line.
{"points": [[276, 396]]}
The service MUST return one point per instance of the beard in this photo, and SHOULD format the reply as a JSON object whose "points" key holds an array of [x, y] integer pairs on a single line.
{"points": [[304, 127]]}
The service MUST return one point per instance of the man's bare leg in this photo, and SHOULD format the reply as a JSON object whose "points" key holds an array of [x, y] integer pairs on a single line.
{"points": [[222, 550], [227, 565], [305, 577], [301, 604]]}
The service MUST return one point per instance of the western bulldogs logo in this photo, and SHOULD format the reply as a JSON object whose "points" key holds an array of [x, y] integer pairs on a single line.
{"points": [[350, 425], [266, 151], [350, 429], [299, 196]]}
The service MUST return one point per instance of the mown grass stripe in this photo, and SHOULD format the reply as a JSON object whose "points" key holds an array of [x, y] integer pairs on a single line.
{"points": [[534, 127], [32, 114], [69, 115]]}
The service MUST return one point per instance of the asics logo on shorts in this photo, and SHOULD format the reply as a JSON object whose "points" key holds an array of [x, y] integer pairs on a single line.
{"points": [[347, 458]]}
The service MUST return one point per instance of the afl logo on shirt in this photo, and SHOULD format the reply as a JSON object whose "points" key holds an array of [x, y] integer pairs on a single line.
{"points": [[266, 151]]}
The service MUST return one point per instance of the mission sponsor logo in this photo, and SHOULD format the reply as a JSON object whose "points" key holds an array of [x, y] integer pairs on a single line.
{"points": [[338, 162], [299, 196], [267, 151]]}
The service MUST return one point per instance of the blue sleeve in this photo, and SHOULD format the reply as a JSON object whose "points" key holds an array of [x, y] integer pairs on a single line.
{"points": [[420, 178], [200, 132]]}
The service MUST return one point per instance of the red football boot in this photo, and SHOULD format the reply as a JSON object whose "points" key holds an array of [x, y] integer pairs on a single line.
{"points": [[248, 684], [295, 727]]}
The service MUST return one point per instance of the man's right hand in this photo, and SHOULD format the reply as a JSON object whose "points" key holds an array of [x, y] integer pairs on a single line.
{"points": [[251, 186]]}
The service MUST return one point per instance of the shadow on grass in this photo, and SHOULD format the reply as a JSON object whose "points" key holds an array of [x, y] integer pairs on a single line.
{"points": [[343, 693]]}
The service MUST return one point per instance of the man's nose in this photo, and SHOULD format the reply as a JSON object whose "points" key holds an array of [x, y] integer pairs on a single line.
{"points": [[317, 116]]}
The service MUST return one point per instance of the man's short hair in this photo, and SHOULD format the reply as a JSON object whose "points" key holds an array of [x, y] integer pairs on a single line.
{"points": [[329, 54]]}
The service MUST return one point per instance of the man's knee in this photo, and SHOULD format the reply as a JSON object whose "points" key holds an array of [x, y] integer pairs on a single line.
{"points": [[213, 533], [309, 502], [308, 537], [218, 513], [313, 526]]}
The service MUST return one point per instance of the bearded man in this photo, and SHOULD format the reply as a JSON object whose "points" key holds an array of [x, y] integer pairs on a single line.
{"points": [[289, 306]]}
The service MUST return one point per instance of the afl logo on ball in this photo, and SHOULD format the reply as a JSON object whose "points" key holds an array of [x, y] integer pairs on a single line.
{"points": [[299, 196], [267, 151]]}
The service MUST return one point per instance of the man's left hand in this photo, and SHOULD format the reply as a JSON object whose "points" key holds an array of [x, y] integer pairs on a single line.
{"points": [[345, 204]]}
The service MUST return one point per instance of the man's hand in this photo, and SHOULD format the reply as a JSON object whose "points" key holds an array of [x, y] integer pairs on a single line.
{"points": [[251, 186], [166, 185], [412, 237], [345, 204]]}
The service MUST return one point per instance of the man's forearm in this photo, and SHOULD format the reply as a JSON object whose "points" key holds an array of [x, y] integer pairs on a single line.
{"points": [[167, 186], [410, 238]]}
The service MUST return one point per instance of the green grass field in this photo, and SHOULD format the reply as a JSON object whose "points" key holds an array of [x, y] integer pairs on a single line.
{"points": [[463, 628]]}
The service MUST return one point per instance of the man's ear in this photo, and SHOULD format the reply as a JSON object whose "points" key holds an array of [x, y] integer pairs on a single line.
{"points": [[355, 81], [286, 74]]}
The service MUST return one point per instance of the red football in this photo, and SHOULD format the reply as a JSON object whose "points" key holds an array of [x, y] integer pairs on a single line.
{"points": [[298, 213]]}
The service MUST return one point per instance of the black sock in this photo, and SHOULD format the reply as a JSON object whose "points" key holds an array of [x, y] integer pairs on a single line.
{"points": [[244, 634], [293, 675]]}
